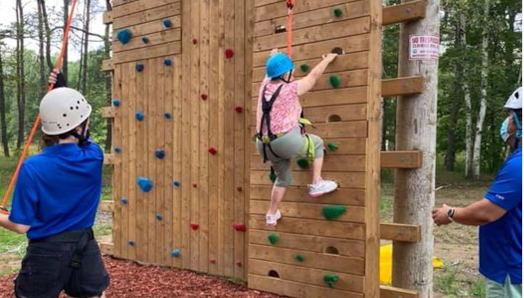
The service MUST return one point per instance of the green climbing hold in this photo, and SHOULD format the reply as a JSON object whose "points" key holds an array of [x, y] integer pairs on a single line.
{"points": [[333, 147], [335, 81], [303, 163], [273, 239], [300, 258], [337, 12], [272, 175], [304, 67], [333, 212], [330, 279]]}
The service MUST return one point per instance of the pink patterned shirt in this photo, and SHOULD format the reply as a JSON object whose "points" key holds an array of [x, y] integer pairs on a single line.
{"points": [[286, 108]]}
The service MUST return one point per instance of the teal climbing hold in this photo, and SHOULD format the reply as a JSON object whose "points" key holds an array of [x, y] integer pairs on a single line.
{"points": [[300, 258], [167, 23], [273, 239], [124, 36], [160, 154], [139, 116], [176, 183], [303, 163], [304, 67], [139, 67], [335, 81], [330, 279], [168, 62], [145, 40], [175, 253], [118, 150], [333, 212], [145, 184], [337, 12], [123, 201], [333, 146], [116, 102], [272, 175], [167, 115], [159, 217]]}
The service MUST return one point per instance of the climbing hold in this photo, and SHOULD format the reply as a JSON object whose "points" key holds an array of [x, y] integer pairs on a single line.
{"points": [[337, 12], [145, 40], [117, 150], [176, 183], [333, 147], [167, 115], [212, 261], [167, 62], [330, 279], [194, 227], [303, 163], [195, 41], [239, 110], [229, 53], [167, 23], [116, 102], [272, 175], [131, 242], [300, 258], [212, 151], [203, 96], [145, 184], [335, 81], [240, 227], [139, 116], [239, 264], [175, 253], [123, 201], [239, 189], [333, 212], [160, 154], [304, 67], [139, 67], [124, 36], [159, 217], [194, 185], [273, 239]]}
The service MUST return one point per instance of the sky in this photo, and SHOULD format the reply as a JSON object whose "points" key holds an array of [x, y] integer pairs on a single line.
{"points": [[8, 16]]}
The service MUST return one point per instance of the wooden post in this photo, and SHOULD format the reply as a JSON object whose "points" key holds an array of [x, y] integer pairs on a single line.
{"points": [[416, 129]]}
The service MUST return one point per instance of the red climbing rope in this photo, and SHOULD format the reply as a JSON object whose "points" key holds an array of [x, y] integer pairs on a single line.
{"points": [[290, 5], [3, 207]]}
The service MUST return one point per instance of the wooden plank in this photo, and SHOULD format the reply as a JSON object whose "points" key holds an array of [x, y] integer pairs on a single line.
{"points": [[155, 39], [392, 292], [108, 112], [401, 159], [322, 261], [131, 135], [177, 152], [294, 289], [106, 206], [107, 17], [400, 232], [127, 116], [308, 211], [259, 3], [314, 18], [353, 146], [353, 129], [345, 230], [163, 50], [402, 86], [160, 174], [345, 179], [137, 6], [310, 276], [280, 9], [343, 196], [120, 2], [107, 65], [314, 34], [150, 72], [330, 114], [116, 178], [107, 248], [110, 159], [315, 244], [404, 13], [147, 29], [332, 163], [157, 13]]}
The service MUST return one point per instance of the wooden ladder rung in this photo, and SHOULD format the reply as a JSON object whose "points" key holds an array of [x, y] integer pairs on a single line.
{"points": [[107, 17], [402, 86], [109, 159], [107, 65], [400, 232], [401, 159], [105, 206], [392, 292], [402, 13], [106, 247], [108, 112]]}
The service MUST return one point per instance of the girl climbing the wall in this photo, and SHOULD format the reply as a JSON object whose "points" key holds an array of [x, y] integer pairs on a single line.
{"points": [[280, 134], [55, 203]]}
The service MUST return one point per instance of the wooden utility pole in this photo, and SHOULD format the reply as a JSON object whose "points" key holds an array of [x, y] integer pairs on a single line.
{"points": [[416, 129]]}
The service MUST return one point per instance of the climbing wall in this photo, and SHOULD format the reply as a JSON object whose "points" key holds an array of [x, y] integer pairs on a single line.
{"points": [[181, 71], [327, 247]]}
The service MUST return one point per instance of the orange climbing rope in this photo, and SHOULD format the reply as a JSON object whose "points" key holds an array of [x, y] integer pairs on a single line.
{"points": [[290, 5], [3, 207]]}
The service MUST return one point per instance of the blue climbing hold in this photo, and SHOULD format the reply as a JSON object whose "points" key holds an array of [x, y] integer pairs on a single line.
{"points": [[167, 23], [116, 102], [124, 36], [139, 116], [167, 115], [176, 253], [145, 184], [118, 150], [139, 67], [123, 201], [168, 62], [131, 242], [145, 40], [160, 154], [176, 183], [159, 217]]}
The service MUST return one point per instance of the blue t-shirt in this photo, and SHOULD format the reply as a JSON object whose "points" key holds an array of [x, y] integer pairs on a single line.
{"points": [[59, 190], [500, 242]]}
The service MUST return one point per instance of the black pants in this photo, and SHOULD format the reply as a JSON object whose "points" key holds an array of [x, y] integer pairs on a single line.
{"points": [[46, 271]]}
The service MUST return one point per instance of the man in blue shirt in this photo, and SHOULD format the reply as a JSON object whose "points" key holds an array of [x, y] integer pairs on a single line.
{"points": [[55, 203], [499, 214]]}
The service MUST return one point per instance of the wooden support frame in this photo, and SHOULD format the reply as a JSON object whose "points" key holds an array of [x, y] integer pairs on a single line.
{"points": [[107, 17], [400, 232], [108, 112], [405, 12], [402, 86], [401, 159], [110, 159], [108, 65], [107, 248], [392, 292], [106, 206]]}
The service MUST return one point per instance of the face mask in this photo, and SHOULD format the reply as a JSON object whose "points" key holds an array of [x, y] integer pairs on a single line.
{"points": [[504, 134]]}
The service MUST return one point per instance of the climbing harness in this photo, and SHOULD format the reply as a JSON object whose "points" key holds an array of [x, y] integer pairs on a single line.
{"points": [[267, 106], [3, 207], [290, 5]]}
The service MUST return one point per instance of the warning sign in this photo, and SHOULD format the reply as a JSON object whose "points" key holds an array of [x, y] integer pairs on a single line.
{"points": [[423, 47]]}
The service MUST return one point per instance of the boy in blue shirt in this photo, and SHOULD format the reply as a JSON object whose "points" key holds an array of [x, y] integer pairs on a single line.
{"points": [[55, 203], [499, 214]]}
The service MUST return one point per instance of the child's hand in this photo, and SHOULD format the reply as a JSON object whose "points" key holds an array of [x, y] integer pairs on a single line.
{"points": [[53, 77], [274, 52], [329, 57]]}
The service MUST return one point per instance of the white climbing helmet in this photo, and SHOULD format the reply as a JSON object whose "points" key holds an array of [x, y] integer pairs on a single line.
{"points": [[62, 110], [515, 100]]}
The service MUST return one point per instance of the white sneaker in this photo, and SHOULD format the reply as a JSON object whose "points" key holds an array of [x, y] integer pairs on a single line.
{"points": [[322, 187], [271, 220]]}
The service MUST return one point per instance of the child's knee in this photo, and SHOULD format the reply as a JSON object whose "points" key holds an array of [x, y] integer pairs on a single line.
{"points": [[284, 181]]}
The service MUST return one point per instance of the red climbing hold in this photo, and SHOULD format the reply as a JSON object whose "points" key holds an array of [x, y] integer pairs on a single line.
{"points": [[195, 41], [240, 227], [213, 261], [229, 53], [239, 110], [194, 227], [194, 185], [239, 264], [203, 96], [212, 151], [239, 189]]}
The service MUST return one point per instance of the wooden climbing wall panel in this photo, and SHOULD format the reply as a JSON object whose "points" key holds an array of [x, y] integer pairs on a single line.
{"points": [[187, 71], [312, 257]]}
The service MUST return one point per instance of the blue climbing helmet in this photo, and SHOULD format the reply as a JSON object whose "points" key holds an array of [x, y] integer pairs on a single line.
{"points": [[278, 65]]}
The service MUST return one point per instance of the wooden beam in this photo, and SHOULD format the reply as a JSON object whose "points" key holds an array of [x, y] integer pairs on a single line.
{"points": [[108, 112], [403, 13], [106, 248], [401, 159], [392, 292], [109, 159], [402, 86], [106, 206], [400, 232], [107, 65], [107, 17]]}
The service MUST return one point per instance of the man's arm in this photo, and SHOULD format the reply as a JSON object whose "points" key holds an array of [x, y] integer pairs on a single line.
{"points": [[476, 214], [11, 226]]}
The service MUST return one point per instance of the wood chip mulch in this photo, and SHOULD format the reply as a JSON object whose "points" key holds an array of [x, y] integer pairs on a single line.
{"points": [[131, 280]]}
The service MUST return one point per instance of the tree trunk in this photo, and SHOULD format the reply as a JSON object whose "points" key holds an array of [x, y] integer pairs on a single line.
{"points": [[65, 61], [47, 34], [41, 55], [86, 47], [483, 94], [416, 129], [20, 74], [107, 50], [3, 122], [468, 109]]}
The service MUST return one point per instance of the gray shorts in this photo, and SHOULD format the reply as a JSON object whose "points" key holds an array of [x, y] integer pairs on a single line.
{"points": [[287, 147]]}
